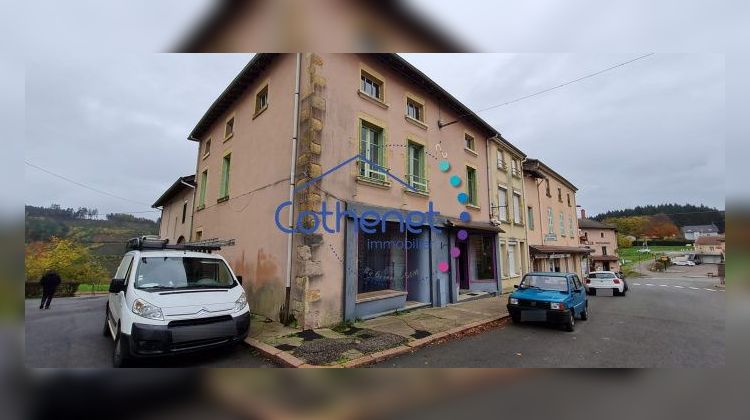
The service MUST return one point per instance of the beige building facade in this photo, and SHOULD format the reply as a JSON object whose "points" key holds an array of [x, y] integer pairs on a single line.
{"points": [[176, 206], [602, 239], [554, 244], [390, 195]]}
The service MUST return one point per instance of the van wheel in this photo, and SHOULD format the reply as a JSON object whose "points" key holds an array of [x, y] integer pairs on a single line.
{"points": [[120, 352], [570, 324], [105, 330], [585, 312]]}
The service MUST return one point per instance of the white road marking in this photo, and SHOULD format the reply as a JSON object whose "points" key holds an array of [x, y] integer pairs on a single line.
{"points": [[695, 288], [636, 284], [679, 287], [710, 290], [649, 284], [663, 285]]}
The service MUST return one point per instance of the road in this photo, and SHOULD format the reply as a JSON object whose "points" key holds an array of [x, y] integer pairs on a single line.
{"points": [[669, 320], [69, 336]]}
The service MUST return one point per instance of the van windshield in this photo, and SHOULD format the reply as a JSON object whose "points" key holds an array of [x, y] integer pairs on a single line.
{"points": [[182, 273], [545, 283]]}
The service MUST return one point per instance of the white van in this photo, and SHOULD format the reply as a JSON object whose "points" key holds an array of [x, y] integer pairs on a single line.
{"points": [[167, 299]]}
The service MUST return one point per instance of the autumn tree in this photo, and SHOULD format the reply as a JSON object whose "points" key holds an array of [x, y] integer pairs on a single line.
{"points": [[72, 261], [629, 226], [661, 226]]}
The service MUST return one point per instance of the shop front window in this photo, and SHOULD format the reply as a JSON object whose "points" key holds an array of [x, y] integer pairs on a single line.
{"points": [[382, 260]]}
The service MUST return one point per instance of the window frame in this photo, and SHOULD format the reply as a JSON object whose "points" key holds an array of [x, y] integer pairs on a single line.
{"points": [[562, 224], [184, 211], [517, 218], [233, 120], [375, 79], [550, 221], [472, 188], [422, 183], [504, 209], [467, 136], [530, 217], [501, 160], [202, 189], [365, 171], [226, 168], [263, 91], [206, 148], [419, 105]]}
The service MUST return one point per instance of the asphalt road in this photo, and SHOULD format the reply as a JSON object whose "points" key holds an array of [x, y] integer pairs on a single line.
{"points": [[669, 321], [68, 335]]}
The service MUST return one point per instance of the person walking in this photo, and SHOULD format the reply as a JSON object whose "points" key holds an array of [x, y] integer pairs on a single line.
{"points": [[50, 280]]}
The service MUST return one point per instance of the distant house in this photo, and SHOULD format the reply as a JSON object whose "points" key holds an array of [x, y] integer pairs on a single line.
{"points": [[176, 206], [710, 249], [602, 238], [692, 233]]}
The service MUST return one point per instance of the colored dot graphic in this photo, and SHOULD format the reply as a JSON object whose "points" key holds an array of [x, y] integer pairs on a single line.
{"points": [[462, 234], [463, 198], [455, 252], [444, 166], [465, 216], [443, 266], [455, 180]]}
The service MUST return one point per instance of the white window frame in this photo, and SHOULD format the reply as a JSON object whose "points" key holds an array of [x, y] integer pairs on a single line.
{"points": [[550, 221], [502, 203], [562, 224], [517, 216]]}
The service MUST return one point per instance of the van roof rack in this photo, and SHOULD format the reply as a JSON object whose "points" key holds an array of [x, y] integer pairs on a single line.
{"points": [[153, 243]]}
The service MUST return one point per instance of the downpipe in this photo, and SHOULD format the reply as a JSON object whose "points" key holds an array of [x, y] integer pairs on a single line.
{"points": [[285, 318]]}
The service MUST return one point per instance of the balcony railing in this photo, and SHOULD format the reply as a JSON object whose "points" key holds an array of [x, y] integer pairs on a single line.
{"points": [[502, 165], [417, 182]]}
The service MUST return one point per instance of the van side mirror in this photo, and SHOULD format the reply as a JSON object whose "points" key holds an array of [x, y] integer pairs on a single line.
{"points": [[117, 286], [239, 279]]}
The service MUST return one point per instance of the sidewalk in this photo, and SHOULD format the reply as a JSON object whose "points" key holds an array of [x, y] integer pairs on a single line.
{"points": [[364, 342]]}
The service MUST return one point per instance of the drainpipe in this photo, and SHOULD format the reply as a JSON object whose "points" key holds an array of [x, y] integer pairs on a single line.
{"points": [[197, 167], [292, 177], [489, 187]]}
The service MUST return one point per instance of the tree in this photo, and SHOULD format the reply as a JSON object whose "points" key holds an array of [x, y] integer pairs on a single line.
{"points": [[629, 226], [72, 261], [624, 241], [661, 226]]}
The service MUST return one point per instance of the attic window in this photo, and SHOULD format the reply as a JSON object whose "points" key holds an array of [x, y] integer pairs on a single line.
{"points": [[414, 110], [469, 142], [207, 148], [261, 100], [229, 129], [371, 85]]}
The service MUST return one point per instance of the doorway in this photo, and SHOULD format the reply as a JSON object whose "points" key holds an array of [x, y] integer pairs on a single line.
{"points": [[463, 266]]}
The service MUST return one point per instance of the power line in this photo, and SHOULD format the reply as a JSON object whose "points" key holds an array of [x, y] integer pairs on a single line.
{"points": [[561, 85], [83, 185]]}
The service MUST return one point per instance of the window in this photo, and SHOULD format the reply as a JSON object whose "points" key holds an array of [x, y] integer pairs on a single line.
{"points": [[602, 234], [202, 189], [502, 204], [530, 218], [549, 194], [371, 86], [184, 211], [415, 170], [514, 168], [569, 201], [484, 251], [559, 194], [501, 160], [512, 260], [229, 129], [517, 217], [382, 270], [198, 235], [261, 100], [414, 110], [471, 185], [207, 148], [469, 142], [550, 221], [604, 250], [577, 282], [168, 273], [562, 224], [570, 226], [372, 148], [225, 167]]}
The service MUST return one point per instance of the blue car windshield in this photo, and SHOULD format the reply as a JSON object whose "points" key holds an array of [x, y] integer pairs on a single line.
{"points": [[545, 283]]}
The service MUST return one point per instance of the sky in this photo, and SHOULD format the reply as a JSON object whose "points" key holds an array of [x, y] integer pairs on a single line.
{"points": [[109, 111]]}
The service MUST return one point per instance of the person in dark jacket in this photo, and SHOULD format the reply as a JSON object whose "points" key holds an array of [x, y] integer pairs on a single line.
{"points": [[50, 280]]}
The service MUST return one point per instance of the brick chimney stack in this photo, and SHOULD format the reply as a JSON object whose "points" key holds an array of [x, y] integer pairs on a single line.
{"points": [[583, 213]]}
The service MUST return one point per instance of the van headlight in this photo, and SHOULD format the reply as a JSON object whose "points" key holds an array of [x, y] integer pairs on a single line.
{"points": [[557, 306], [513, 301], [240, 303], [147, 310]]}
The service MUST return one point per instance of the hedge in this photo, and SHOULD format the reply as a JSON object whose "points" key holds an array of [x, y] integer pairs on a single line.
{"points": [[65, 289], [663, 242]]}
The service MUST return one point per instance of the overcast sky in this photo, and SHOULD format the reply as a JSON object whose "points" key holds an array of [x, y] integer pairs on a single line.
{"points": [[649, 132]]}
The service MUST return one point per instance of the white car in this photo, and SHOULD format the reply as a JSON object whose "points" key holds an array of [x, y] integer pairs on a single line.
{"points": [[605, 280], [683, 263], [173, 299], [644, 251]]}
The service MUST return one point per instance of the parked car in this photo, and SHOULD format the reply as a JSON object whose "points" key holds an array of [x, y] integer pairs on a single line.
{"points": [[166, 299], [606, 280], [644, 250], [556, 298], [683, 263]]}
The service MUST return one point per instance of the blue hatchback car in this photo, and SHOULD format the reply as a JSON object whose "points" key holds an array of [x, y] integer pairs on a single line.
{"points": [[556, 298]]}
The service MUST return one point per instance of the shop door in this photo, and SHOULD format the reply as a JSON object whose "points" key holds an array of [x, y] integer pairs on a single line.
{"points": [[463, 266]]}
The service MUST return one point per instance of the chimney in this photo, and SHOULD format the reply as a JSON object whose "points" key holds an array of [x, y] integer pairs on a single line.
{"points": [[583, 213]]}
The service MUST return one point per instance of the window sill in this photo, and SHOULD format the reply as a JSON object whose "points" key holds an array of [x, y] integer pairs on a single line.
{"points": [[416, 122], [206, 155], [473, 207], [378, 295], [260, 111], [373, 182], [518, 224], [471, 152], [376, 101], [200, 207], [423, 194], [228, 137], [222, 199]]}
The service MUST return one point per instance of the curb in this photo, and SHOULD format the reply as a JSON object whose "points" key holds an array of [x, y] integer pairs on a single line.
{"points": [[288, 360]]}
